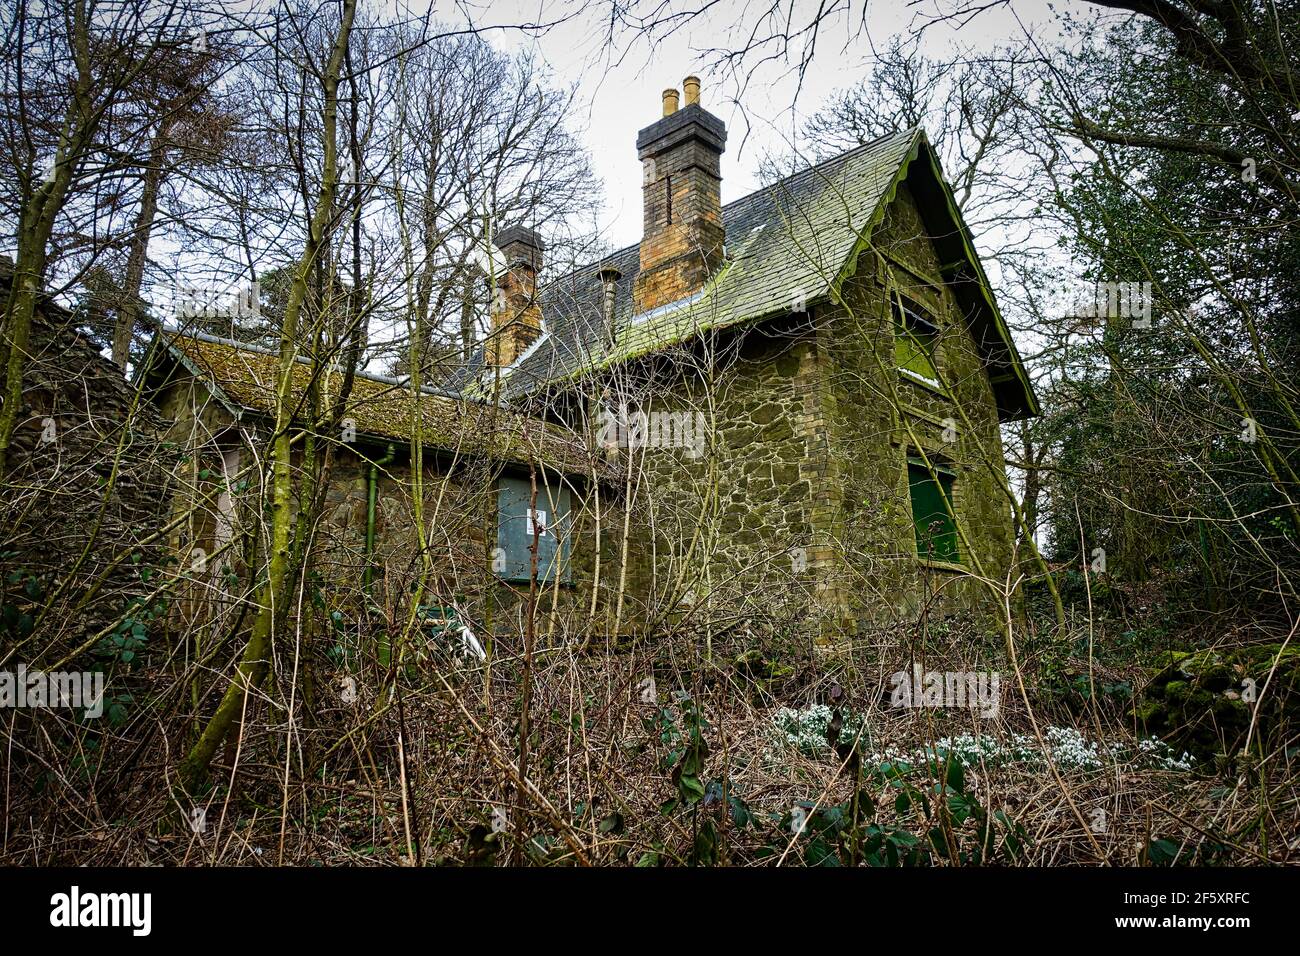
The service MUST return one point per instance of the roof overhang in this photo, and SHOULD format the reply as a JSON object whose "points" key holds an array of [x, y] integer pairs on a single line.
{"points": [[962, 272]]}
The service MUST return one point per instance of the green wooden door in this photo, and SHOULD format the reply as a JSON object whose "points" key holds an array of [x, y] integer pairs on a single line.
{"points": [[936, 531]]}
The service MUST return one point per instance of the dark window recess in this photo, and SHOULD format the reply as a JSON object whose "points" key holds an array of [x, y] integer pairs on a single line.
{"points": [[932, 502], [914, 339], [515, 531], [668, 198]]}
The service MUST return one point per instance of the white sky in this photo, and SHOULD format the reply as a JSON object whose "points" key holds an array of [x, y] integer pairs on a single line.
{"points": [[619, 88], [618, 98]]}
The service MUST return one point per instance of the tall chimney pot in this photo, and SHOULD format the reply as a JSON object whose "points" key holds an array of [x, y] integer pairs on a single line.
{"points": [[670, 102], [691, 87], [609, 277]]}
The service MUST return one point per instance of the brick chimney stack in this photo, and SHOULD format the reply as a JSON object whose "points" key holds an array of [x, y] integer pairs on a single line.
{"points": [[681, 245], [516, 314]]}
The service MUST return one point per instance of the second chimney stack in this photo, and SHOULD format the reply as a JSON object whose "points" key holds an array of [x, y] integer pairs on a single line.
{"points": [[516, 314]]}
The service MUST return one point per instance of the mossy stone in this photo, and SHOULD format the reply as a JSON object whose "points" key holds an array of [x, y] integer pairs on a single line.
{"points": [[1205, 700]]}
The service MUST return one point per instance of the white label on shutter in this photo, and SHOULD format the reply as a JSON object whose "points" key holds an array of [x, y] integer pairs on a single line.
{"points": [[537, 520]]}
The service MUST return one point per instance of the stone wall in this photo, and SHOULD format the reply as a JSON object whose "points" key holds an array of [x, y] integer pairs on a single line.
{"points": [[881, 416], [735, 530], [802, 505], [86, 489]]}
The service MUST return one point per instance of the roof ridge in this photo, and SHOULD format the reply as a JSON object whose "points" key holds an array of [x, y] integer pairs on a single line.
{"points": [[211, 339], [812, 169], [761, 191]]}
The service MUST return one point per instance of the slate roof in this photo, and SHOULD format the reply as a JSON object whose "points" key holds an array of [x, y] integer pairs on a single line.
{"points": [[792, 235], [791, 239], [245, 377]]}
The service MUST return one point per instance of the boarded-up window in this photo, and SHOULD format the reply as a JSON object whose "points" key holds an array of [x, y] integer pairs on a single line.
{"points": [[520, 522], [914, 339], [932, 496]]}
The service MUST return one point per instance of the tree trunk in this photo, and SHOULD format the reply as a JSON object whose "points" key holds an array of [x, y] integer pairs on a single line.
{"points": [[273, 596], [128, 310]]}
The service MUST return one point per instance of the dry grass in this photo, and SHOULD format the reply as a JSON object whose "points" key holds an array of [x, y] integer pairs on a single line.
{"points": [[330, 790]]}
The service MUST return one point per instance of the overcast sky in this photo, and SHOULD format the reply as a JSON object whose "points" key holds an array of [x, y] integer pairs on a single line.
{"points": [[620, 91]]}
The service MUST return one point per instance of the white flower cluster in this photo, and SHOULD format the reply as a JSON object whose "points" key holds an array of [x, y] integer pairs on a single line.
{"points": [[805, 730], [1067, 747], [1162, 755]]}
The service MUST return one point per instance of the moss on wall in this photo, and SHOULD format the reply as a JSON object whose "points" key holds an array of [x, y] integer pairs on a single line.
{"points": [[882, 416], [736, 527], [802, 501]]}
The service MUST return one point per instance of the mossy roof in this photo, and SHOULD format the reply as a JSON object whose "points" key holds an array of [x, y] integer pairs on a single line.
{"points": [[794, 241], [244, 378]]}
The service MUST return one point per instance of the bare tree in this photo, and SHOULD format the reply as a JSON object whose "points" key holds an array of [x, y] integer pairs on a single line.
{"points": [[73, 70]]}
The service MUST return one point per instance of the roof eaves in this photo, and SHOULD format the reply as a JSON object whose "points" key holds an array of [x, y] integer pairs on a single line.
{"points": [[1015, 362], [565, 457], [236, 409], [968, 246]]}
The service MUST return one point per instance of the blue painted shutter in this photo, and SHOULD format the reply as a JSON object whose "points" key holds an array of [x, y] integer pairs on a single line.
{"points": [[515, 530]]}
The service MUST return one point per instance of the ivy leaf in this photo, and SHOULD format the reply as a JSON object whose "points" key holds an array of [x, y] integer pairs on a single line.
{"points": [[819, 853], [690, 788], [740, 812], [956, 775], [1162, 852]]}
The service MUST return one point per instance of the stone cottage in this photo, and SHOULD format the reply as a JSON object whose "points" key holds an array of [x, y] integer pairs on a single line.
{"points": [[495, 488], [784, 408], [805, 386]]}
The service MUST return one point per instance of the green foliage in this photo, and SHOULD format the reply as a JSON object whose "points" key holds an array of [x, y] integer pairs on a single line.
{"points": [[1161, 852], [115, 708], [131, 635], [1208, 700], [935, 819], [1171, 446], [708, 807]]}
